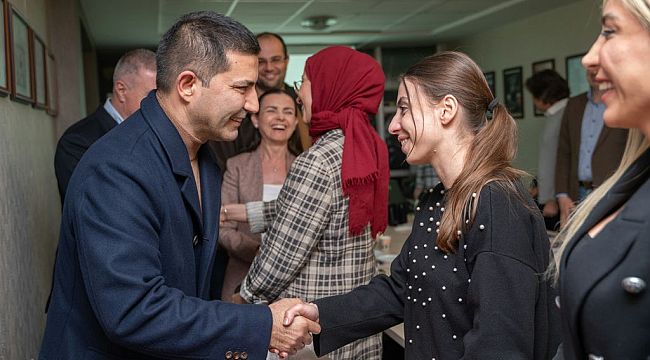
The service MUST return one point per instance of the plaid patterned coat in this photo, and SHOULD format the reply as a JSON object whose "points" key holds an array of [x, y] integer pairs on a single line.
{"points": [[307, 251]]}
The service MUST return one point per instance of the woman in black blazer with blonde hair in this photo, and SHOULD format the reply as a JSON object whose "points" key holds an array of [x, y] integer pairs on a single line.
{"points": [[604, 253]]}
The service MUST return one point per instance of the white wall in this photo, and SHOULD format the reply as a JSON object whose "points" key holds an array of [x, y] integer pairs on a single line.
{"points": [[556, 34]]}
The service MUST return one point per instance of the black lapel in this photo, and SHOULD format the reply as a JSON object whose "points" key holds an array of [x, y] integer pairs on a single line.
{"points": [[606, 255]]}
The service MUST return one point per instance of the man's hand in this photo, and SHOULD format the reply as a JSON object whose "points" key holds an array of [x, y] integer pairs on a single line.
{"points": [[288, 339], [550, 209], [566, 208]]}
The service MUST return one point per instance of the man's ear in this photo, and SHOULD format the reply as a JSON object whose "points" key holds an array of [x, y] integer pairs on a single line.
{"points": [[187, 84], [449, 109], [119, 91]]}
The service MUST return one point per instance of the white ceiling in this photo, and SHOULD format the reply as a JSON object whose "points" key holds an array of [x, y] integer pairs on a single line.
{"points": [[362, 23]]}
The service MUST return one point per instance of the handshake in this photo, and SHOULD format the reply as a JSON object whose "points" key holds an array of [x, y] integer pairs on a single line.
{"points": [[293, 323]]}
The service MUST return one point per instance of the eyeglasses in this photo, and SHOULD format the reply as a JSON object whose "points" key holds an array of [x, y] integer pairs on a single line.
{"points": [[275, 61], [297, 85]]}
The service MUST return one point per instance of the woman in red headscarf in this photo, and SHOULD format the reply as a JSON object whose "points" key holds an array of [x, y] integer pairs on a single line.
{"points": [[320, 230]]}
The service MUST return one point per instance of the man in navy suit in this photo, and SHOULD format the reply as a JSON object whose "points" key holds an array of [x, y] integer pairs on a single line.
{"points": [[140, 220], [134, 76]]}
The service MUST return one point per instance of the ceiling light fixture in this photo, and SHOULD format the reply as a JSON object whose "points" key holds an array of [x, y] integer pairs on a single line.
{"points": [[320, 22]]}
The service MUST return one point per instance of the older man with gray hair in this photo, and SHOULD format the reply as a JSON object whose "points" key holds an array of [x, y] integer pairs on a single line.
{"points": [[134, 76]]}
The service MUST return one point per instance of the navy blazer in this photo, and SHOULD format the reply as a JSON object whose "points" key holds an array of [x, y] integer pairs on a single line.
{"points": [[75, 141], [601, 317], [128, 282]]}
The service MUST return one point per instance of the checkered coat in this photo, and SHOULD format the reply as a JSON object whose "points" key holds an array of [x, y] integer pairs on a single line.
{"points": [[307, 251]]}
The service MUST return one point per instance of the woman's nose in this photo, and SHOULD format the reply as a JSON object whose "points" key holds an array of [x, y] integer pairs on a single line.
{"points": [[591, 61], [394, 127]]}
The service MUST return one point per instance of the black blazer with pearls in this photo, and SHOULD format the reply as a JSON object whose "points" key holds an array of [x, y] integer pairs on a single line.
{"points": [[487, 300], [604, 295]]}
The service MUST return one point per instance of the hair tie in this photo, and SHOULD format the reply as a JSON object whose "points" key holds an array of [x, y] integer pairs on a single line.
{"points": [[490, 108]]}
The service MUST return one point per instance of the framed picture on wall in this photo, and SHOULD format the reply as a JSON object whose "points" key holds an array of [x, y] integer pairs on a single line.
{"points": [[21, 69], [489, 76], [513, 90], [52, 90], [576, 75], [4, 61], [538, 66], [548, 64], [40, 72]]}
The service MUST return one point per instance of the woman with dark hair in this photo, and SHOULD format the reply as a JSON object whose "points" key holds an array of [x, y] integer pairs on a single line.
{"points": [[255, 176], [467, 283], [320, 230]]}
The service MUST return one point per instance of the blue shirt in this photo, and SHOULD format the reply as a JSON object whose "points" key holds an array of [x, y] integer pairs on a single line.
{"points": [[110, 109], [592, 124]]}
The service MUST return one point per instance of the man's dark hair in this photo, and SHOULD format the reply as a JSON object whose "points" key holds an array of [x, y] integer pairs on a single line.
{"points": [[548, 86], [267, 34], [199, 41]]}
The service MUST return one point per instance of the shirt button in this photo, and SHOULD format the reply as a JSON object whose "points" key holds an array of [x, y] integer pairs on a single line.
{"points": [[228, 354]]}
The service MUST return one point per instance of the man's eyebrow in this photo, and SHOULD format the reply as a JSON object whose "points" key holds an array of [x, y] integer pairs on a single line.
{"points": [[243, 83]]}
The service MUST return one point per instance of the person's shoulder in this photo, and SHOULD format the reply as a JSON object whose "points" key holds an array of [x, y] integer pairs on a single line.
{"points": [[500, 196], [88, 129], [328, 145], [506, 215], [324, 157], [132, 140], [240, 160]]}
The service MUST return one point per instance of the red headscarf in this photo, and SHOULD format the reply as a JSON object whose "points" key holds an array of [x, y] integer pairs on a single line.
{"points": [[347, 87]]}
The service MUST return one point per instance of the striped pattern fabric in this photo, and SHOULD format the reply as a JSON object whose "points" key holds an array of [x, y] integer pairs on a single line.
{"points": [[307, 251]]}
